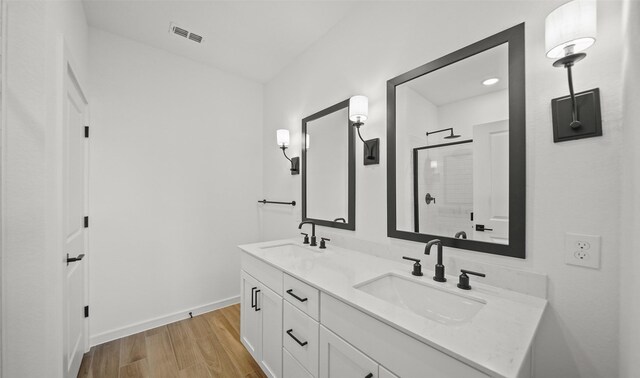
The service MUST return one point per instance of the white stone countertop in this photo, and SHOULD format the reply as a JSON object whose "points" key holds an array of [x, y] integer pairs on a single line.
{"points": [[496, 340]]}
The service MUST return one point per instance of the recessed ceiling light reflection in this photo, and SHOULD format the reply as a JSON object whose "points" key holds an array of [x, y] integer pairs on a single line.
{"points": [[491, 81]]}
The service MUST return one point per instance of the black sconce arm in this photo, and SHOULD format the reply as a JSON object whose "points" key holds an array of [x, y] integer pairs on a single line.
{"points": [[294, 162], [283, 148], [357, 125]]}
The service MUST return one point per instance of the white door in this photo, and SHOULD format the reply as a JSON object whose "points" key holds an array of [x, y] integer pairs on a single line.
{"points": [[250, 324], [491, 182], [338, 359], [270, 306], [74, 189]]}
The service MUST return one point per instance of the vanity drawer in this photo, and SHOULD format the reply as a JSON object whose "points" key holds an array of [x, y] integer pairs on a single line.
{"points": [[292, 368], [263, 272], [300, 337], [306, 298], [399, 352]]}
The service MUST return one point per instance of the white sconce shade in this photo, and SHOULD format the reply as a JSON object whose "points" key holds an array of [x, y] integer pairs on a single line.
{"points": [[570, 28], [283, 137], [358, 108], [434, 164]]}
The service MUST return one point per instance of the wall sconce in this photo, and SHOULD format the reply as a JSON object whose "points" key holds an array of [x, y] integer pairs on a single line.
{"points": [[282, 136], [570, 29], [358, 113]]}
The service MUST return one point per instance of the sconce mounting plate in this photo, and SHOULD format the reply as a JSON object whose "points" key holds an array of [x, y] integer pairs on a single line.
{"points": [[295, 165], [588, 105], [372, 145]]}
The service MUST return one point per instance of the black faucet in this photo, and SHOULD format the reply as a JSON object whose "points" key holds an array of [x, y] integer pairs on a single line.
{"points": [[323, 245], [464, 279], [439, 267], [313, 232], [417, 268], [461, 235]]}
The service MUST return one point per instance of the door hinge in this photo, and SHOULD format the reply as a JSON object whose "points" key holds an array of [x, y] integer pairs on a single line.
{"points": [[86, 311], [86, 131], [86, 222]]}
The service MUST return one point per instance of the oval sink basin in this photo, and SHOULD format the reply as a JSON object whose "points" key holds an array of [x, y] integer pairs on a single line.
{"points": [[287, 248], [424, 299]]}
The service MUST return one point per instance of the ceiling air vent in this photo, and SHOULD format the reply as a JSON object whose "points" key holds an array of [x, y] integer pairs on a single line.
{"points": [[184, 33], [195, 37]]}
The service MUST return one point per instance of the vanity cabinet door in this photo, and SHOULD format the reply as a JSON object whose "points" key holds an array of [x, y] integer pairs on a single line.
{"points": [[384, 373], [250, 323], [339, 359], [270, 305]]}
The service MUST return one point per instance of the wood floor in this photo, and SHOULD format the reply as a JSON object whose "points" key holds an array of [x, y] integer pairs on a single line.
{"points": [[206, 346]]}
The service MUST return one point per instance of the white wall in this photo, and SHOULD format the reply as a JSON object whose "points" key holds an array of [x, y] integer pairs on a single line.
{"points": [[175, 176], [629, 259], [32, 257], [571, 186]]}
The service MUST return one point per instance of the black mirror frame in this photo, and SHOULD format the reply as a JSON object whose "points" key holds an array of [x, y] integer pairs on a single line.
{"points": [[350, 129], [514, 37]]}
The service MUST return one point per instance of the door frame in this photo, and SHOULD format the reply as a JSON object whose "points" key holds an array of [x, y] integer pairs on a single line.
{"points": [[66, 68]]}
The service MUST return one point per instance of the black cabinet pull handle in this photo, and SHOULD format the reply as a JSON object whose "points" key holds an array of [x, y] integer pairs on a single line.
{"points": [[74, 259], [290, 333], [370, 375], [290, 292], [257, 308], [253, 304]]}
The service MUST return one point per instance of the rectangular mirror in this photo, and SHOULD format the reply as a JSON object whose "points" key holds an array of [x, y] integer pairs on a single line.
{"points": [[456, 148], [328, 168]]}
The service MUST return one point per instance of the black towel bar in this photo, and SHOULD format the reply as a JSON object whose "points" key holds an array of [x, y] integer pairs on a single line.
{"points": [[264, 201]]}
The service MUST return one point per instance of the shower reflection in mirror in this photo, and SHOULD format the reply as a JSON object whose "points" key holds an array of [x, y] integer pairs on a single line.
{"points": [[453, 129]]}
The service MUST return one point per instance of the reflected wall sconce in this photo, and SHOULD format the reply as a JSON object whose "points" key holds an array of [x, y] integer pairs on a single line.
{"points": [[569, 30], [282, 136], [358, 113]]}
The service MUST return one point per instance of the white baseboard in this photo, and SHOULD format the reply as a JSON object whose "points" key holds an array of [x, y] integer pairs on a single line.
{"points": [[118, 333]]}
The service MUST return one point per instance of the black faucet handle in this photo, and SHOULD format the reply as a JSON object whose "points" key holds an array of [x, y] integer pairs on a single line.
{"points": [[464, 271], [463, 282], [306, 238], [322, 243], [417, 268]]}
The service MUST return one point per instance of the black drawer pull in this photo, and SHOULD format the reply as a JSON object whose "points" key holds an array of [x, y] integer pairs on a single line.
{"points": [[290, 292], [290, 333], [257, 308], [370, 375], [253, 303]]}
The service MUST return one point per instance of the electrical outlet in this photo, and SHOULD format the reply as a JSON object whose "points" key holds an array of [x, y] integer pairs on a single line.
{"points": [[582, 250]]}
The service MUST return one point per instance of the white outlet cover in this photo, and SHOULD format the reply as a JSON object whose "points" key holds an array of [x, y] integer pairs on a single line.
{"points": [[582, 250]]}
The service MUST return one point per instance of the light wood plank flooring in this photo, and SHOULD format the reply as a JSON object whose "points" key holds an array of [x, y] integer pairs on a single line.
{"points": [[206, 346]]}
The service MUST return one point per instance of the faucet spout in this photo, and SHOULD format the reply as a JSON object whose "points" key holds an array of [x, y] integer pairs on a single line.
{"points": [[461, 235], [439, 277], [313, 231]]}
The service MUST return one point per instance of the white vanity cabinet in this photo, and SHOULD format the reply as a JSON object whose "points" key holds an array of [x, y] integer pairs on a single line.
{"points": [[295, 329], [339, 359], [261, 322]]}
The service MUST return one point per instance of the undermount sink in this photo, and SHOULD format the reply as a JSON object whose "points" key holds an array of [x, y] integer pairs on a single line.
{"points": [[288, 248], [424, 299]]}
